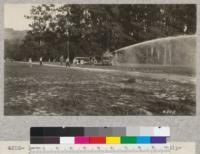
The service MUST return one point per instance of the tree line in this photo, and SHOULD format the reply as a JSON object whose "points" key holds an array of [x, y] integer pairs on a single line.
{"points": [[91, 30]]}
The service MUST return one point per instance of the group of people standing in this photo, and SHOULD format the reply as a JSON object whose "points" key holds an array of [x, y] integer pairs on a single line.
{"points": [[67, 63]]}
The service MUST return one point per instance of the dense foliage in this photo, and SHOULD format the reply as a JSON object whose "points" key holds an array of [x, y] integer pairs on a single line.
{"points": [[91, 30]]}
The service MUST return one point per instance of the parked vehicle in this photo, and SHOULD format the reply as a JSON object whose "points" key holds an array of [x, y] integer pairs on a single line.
{"points": [[81, 60], [85, 60]]}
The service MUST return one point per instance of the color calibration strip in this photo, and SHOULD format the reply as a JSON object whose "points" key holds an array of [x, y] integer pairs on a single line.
{"points": [[100, 131], [112, 140], [96, 135], [99, 140]]}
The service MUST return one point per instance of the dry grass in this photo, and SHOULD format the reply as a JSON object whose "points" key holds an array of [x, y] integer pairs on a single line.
{"points": [[47, 90]]}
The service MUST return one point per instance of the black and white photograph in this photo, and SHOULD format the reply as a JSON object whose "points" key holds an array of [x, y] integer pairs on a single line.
{"points": [[100, 59]]}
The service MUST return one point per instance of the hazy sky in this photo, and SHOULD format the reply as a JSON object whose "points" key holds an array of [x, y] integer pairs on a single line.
{"points": [[14, 16]]}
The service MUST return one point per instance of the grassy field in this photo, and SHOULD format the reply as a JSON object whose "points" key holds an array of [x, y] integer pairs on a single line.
{"points": [[45, 90]]}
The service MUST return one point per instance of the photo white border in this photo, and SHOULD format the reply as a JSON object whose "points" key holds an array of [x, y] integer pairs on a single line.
{"points": [[183, 128]]}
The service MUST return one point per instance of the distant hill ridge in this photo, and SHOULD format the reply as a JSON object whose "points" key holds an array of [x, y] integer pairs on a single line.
{"points": [[11, 34]]}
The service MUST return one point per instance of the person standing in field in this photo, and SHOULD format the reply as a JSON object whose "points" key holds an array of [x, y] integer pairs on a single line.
{"points": [[40, 61], [67, 63], [61, 60], [30, 62]]}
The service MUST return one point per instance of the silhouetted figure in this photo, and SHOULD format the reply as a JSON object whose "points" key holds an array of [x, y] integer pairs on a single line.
{"points": [[30, 62], [67, 63], [61, 60], [40, 60]]}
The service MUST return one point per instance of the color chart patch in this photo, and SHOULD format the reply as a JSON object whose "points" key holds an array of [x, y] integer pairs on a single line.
{"points": [[113, 140], [99, 135]]}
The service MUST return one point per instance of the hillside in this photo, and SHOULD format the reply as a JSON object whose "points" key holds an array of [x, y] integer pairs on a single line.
{"points": [[11, 34]]}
